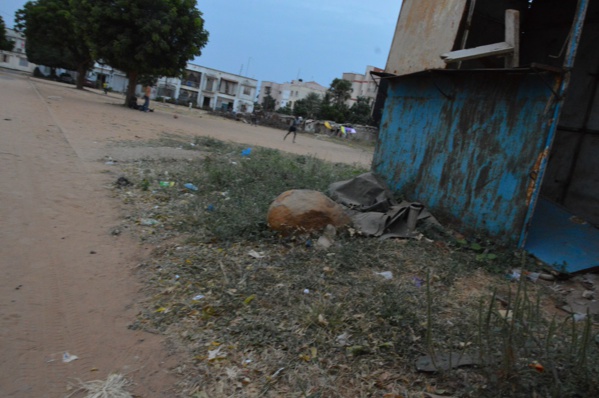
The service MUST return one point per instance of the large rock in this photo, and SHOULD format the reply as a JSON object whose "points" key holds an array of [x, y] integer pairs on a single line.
{"points": [[305, 210]]}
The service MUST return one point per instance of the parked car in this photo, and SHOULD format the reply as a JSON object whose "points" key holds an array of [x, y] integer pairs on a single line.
{"points": [[89, 83], [66, 78]]}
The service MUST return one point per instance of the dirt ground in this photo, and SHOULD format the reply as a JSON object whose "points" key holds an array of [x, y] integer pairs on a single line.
{"points": [[67, 283]]}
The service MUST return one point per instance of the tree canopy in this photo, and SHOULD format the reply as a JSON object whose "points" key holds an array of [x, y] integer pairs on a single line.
{"points": [[5, 44], [308, 107], [52, 38], [340, 91], [143, 37]]}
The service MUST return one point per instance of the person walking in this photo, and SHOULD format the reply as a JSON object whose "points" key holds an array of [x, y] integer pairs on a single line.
{"points": [[147, 93], [293, 128], [105, 87]]}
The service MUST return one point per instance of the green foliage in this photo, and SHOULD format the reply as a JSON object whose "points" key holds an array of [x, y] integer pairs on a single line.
{"points": [[53, 39], [268, 103], [142, 37], [5, 44], [340, 91], [359, 112], [308, 107], [286, 110]]}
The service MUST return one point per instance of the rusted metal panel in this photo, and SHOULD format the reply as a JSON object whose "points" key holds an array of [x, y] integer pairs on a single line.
{"points": [[424, 31], [468, 144]]}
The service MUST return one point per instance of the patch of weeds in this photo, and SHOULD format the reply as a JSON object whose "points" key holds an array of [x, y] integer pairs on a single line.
{"points": [[343, 322]]}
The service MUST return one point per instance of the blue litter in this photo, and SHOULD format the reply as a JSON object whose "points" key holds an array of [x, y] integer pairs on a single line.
{"points": [[191, 187], [246, 152], [210, 208]]}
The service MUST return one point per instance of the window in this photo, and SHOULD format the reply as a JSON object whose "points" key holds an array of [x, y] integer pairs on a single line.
{"points": [[247, 90], [210, 84], [267, 90], [5, 58], [228, 87]]}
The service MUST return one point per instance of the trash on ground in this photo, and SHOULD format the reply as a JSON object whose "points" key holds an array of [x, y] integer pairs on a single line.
{"points": [[190, 186], [374, 211], [66, 357], [256, 254], [123, 182], [198, 297], [246, 152], [385, 274], [149, 221], [445, 361], [166, 184], [306, 291]]}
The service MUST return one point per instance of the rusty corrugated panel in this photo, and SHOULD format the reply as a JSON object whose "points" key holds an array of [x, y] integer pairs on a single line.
{"points": [[425, 30], [465, 144]]}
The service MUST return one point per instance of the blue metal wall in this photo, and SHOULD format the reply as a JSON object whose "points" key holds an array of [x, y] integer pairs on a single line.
{"points": [[464, 143]]}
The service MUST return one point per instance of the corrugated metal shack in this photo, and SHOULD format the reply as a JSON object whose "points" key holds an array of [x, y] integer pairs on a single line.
{"points": [[492, 120]]}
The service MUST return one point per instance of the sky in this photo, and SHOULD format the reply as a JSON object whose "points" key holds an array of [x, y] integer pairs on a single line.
{"points": [[283, 40]]}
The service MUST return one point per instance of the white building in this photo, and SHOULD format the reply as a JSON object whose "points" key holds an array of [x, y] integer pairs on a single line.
{"points": [[363, 85], [210, 89], [16, 59], [289, 93]]}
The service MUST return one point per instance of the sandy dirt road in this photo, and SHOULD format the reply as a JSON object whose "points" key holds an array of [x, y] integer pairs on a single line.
{"points": [[67, 284]]}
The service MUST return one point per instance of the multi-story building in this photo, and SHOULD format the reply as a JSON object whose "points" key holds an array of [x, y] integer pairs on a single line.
{"points": [[210, 88], [16, 59], [289, 93], [365, 85]]}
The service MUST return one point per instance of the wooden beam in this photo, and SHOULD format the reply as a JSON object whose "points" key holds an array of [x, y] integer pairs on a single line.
{"points": [[512, 37], [489, 50]]}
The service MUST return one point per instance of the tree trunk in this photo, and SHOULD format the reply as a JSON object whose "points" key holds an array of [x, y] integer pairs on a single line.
{"points": [[132, 77]]}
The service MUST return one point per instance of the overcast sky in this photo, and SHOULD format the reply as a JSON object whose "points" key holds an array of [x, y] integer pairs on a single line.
{"points": [[282, 40]]}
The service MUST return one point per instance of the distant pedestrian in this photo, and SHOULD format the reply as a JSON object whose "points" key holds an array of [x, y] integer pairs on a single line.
{"points": [[147, 92], [254, 118], [105, 87], [293, 128]]}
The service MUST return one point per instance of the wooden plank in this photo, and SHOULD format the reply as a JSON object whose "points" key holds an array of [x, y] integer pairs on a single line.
{"points": [[424, 30], [512, 37], [489, 50]]}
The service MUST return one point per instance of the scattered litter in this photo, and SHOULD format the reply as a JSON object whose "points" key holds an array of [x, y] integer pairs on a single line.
{"points": [[579, 317], [210, 208], [113, 387], [166, 184], [149, 221], [246, 152], [306, 291], [343, 339], [385, 274], [445, 361], [190, 186], [256, 254], [249, 299], [588, 294], [278, 372], [418, 282], [324, 242], [123, 182], [537, 366], [198, 297], [215, 354], [66, 357]]}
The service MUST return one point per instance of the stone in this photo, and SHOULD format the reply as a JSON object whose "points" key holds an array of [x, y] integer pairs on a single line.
{"points": [[305, 210]]}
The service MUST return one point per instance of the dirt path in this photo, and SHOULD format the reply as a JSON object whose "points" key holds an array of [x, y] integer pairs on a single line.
{"points": [[67, 284]]}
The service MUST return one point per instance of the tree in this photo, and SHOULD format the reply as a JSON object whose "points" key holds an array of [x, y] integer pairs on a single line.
{"points": [[268, 103], [340, 91], [143, 37], [308, 107], [333, 103], [5, 44], [360, 111], [49, 27], [286, 110]]}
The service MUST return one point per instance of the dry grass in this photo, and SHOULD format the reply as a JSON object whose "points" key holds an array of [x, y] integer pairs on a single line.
{"points": [[305, 322]]}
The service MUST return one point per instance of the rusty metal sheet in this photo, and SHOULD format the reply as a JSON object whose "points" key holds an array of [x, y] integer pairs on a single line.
{"points": [[466, 145], [424, 31]]}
